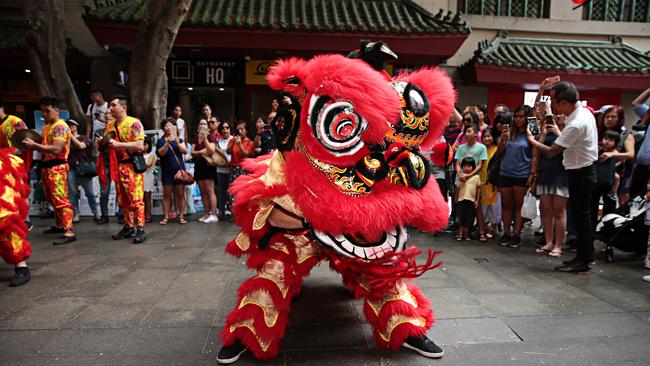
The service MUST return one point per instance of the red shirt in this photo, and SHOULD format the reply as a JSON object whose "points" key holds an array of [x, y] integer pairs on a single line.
{"points": [[237, 156]]}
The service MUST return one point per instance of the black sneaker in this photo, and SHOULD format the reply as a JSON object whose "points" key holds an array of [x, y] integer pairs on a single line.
{"points": [[120, 220], [125, 233], [139, 237], [424, 346], [22, 276], [230, 354], [65, 240], [515, 242], [29, 225], [505, 239], [102, 220], [54, 230]]}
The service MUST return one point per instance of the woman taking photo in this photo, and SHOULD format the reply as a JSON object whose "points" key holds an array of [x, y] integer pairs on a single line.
{"points": [[223, 172], [552, 186], [515, 175], [240, 148], [204, 174], [171, 149]]}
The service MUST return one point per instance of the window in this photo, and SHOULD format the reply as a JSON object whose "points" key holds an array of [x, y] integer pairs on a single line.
{"points": [[617, 11], [508, 8]]}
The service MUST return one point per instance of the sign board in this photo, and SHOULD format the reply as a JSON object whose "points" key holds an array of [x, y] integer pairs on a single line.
{"points": [[256, 71], [213, 73]]}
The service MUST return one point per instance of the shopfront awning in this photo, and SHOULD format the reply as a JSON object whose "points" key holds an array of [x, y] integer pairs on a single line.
{"points": [[295, 27], [510, 61]]}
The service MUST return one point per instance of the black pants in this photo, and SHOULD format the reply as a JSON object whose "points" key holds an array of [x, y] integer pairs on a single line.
{"points": [[466, 213], [609, 205], [581, 186]]}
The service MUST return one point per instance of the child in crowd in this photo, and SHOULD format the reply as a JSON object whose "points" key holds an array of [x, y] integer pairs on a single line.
{"points": [[468, 198], [606, 177], [150, 159], [473, 149], [489, 215]]}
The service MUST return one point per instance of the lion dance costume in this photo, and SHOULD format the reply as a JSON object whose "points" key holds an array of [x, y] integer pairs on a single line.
{"points": [[348, 166], [14, 192]]}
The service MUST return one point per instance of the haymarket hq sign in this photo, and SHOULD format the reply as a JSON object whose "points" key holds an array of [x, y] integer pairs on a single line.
{"points": [[216, 73]]}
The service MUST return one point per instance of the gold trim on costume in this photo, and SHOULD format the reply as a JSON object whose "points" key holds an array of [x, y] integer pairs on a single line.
{"points": [[397, 320], [243, 241], [262, 299], [304, 248], [248, 323], [403, 294], [273, 270]]}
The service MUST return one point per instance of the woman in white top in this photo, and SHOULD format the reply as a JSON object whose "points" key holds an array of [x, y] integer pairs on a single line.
{"points": [[223, 172]]}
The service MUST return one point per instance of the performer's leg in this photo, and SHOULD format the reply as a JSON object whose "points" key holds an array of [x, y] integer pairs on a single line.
{"points": [[122, 187], [138, 199], [259, 319], [57, 179], [398, 314]]}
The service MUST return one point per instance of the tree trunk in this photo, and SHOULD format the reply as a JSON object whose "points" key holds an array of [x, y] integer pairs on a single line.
{"points": [[46, 46], [148, 70]]}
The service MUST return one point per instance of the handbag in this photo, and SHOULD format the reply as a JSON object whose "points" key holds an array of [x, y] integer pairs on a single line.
{"points": [[182, 176], [87, 169], [216, 159]]}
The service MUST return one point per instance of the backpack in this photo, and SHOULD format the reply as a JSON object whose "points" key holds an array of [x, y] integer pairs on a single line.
{"points": [[494, 169]]}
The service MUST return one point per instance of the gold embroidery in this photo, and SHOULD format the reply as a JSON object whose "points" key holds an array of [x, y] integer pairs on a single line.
{"points": [[397, 320], [288, 204], [403, 294], [273, 270], [248, 323], [262, 299], [304, 248], [243, 241], [279, 247], [274, 175], [262, 215]]}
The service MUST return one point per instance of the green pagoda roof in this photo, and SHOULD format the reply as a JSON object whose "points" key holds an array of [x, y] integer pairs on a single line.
{"points": [[612, 56], [403, 17]]}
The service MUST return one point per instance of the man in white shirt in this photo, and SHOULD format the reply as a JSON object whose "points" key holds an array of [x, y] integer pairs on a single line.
{"points": [[579, 142], [96, 113], [179, 122]]}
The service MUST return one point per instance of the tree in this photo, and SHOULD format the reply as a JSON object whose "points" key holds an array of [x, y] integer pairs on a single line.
{"points": [[148, 69], [46, 46]]}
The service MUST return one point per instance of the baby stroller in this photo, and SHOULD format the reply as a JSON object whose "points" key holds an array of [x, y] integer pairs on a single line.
{"points": [[625, 229]]}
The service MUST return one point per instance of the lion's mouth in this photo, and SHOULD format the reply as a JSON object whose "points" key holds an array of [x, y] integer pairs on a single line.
{"points": [[349, 246]]}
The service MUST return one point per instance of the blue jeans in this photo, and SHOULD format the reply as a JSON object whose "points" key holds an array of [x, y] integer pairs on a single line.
{"points": [[74, 181]]}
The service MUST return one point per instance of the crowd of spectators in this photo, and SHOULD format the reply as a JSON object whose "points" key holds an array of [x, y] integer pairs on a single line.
{"points": [[554, 152]]}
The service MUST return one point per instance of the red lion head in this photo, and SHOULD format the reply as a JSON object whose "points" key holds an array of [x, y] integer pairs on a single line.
{"points": [[355, 171]]}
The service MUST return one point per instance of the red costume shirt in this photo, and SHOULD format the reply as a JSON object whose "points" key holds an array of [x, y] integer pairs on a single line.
{"points": [[8, 126], [128, 130], [57, 131]]}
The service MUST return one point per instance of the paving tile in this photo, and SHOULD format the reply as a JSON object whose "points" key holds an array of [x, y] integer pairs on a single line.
{"points": [[451, 303], [532, 328], [103, 316], [46, 313], [141, 286], [472, 331]]}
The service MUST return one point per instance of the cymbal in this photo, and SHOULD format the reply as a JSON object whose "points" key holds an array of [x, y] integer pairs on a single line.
{"points": [[106, 138], [18, 137]]}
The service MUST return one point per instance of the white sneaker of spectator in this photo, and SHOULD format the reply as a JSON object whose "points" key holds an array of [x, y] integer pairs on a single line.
{"points": [[204, 217], [646, 278], [211, 219]]}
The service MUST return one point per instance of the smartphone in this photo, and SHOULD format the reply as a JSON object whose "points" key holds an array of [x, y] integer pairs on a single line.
{"points": [[554, 79], [533, 126], [549, 119]]}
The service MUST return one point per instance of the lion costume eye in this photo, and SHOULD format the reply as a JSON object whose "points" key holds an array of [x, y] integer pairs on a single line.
{"points": [[336, 125]]}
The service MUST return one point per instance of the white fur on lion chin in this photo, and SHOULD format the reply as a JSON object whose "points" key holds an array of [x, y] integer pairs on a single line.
{"points": [[393, 241]]}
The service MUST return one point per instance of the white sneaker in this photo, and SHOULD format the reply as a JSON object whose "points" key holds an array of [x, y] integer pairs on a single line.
{"points": [[76, 218], [204, 217], [227, 213], [211, 219], [646, 278]]}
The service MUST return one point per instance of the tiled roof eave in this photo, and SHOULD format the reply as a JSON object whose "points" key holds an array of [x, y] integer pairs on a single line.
{"points": [[556, 68]]}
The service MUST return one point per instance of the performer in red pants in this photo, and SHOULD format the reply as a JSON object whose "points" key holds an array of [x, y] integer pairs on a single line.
{"points": [[54, 168]]}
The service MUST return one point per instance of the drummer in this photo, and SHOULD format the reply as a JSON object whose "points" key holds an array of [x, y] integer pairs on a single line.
{"points": [[8, 125], [54, 168]]}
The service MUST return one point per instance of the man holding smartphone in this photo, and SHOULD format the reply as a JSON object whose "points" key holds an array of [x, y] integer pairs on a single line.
{"points": [[579, 144]]}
